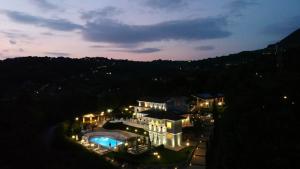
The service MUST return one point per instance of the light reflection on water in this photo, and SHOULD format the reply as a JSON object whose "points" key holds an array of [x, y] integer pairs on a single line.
{"points": [[105, 141]]}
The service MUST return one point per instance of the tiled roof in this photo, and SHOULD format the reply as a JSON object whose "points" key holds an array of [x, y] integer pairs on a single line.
{"points": [[155, 99], [160, 114], [208, 95]]}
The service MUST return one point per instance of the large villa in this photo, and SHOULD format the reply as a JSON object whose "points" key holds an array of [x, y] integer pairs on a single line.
{"points": [[161, 119]]}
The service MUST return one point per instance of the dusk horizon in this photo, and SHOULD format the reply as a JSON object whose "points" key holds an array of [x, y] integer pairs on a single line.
{"points": [[143, 30]]}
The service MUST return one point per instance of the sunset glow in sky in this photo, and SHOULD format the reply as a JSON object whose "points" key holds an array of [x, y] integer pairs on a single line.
{"points": [[143, 29]]}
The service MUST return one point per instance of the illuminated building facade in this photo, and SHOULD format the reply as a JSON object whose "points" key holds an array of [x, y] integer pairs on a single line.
{"points": [[163, 119], [164, 127], [207, 100]]}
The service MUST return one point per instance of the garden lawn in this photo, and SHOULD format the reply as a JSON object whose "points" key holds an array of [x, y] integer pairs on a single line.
{"points": [[166, 156]]}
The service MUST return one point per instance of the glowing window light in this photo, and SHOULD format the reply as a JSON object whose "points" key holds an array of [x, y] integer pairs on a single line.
{"points": [[169, 125]]}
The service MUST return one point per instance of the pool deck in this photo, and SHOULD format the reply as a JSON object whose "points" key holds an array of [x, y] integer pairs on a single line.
{"points": [[117, 134]]}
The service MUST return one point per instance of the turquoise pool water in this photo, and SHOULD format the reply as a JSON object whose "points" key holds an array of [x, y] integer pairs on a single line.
{"points": [[105, 141]]}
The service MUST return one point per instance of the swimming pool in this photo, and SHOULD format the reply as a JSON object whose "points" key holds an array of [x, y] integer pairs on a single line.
{"points": [[105, 141]]}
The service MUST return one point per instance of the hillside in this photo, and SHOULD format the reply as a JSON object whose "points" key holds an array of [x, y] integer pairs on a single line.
{"points": [[258, 126]]}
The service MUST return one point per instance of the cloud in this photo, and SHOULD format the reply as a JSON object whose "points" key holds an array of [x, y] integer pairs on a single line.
{"points": [[143, 50], [13, 42], [205, 48], [44, 4], [21, 50], [236, 7], [165, 4], [97, 46], [47, 33], [15, 34], [107, 30], [57, 53], [283, 28], [55, 24], [106, 12]]}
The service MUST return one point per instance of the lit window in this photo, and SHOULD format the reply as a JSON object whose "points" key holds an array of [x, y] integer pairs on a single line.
{"points": [[169, 125]]}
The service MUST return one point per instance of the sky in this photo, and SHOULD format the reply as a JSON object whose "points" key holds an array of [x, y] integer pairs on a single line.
{"points": [[143, 30]]}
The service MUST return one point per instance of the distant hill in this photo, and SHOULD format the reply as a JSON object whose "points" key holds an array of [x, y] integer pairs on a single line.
{"points": [[291, 41]]}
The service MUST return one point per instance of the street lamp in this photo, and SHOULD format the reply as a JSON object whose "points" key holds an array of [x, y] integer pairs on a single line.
{"points": [[76, 118]]}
